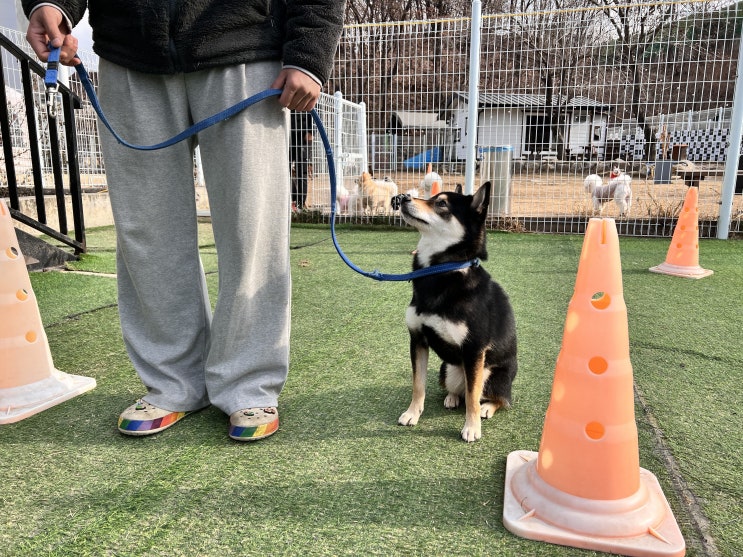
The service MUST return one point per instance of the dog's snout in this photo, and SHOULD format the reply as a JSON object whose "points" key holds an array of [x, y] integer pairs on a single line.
{"points": [[398, 200]]}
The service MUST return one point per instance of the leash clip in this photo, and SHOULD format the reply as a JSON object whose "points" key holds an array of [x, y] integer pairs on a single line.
{"points": [[51, 100], [50, 80]]}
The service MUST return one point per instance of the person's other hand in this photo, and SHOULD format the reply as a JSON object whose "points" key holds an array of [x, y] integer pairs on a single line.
{"points": [[47, 25], [300, 91]]}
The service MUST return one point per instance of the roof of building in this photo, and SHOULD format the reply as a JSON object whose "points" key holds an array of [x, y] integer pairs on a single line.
{"points": [[402, 119], [528, 100]]}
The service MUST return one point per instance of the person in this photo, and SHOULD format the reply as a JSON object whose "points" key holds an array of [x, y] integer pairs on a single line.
{"points": [[300, 153], [164, 66]]}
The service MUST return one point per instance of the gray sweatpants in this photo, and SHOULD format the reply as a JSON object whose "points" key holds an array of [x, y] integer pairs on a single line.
{"points": [[185, 357]]}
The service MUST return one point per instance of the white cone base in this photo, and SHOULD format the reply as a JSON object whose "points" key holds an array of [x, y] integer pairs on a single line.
{"points": [[641, 525], [681, 271], [17, 403]]}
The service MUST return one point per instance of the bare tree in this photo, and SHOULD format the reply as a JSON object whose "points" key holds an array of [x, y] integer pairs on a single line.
{"points": [[375, 11], [387, 49], [547, 32], [636, 26]]}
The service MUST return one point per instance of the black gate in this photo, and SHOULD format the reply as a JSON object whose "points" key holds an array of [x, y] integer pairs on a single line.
{"points": [[32, 78]]}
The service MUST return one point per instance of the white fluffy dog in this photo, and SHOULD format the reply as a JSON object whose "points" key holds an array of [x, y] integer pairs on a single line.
{"points": [[342, 197], [618, 188]]}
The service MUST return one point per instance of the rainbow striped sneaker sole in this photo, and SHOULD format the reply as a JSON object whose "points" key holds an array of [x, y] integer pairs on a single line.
{"points": [[252, 424], [142, 418]]}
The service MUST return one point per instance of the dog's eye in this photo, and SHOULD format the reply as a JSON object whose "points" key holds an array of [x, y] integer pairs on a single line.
{"points": [[441, 202]]}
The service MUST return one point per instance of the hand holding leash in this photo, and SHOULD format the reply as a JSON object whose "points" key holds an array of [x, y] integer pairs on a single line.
{"points": [[299, 91], [47, 30]]}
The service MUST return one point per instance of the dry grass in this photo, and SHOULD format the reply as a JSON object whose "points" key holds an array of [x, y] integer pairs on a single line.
{"points": [[554, 194]]}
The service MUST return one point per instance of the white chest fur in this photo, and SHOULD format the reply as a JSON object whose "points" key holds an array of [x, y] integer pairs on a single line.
{"points": [[452, 332]]}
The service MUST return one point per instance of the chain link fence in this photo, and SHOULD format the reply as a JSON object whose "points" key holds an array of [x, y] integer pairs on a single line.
{"points": [[644, 88]]}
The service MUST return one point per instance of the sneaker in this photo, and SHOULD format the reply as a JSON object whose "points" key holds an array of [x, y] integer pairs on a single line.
{"points": [[252, 424], [142, 418]]}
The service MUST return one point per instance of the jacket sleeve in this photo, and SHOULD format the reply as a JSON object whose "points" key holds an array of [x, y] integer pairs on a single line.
{"points": [[72, 9], [311, 35]]}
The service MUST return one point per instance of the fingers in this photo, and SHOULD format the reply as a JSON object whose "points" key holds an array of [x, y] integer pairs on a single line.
{"points": [[67, 55], [299, 100], [299, 91], [37, 39], [47, 25]]}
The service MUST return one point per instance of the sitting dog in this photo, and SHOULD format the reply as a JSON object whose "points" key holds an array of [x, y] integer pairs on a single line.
{"points": [[374, 195], [463, 315], [618, 188]]}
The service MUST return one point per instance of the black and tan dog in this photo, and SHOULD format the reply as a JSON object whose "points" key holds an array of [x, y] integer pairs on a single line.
{"points": [[463, 316]]}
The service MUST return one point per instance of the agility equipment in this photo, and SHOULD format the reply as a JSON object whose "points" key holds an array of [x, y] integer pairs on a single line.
{"points": [[29, 383], [432, 183], [585, 488], [435, 181], [435, 188], [682, 259]]}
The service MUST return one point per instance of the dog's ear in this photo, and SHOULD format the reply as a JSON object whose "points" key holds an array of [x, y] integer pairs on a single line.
{"points": [[481, 199], [458, 189]]}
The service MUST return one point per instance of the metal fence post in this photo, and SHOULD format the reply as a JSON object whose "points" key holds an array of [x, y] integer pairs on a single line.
{"points": [[338, 136], [361, 115], [474, 98], [732, 155], [496, 168]]}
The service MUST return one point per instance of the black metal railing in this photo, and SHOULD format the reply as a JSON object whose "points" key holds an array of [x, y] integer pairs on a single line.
{"points": [[70, 102]]}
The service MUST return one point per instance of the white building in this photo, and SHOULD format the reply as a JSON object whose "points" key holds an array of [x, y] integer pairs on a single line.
{"points": [[522, 121]]}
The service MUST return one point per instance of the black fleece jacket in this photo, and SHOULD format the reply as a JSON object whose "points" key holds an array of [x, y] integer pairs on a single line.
{"points": [[172, 36]]}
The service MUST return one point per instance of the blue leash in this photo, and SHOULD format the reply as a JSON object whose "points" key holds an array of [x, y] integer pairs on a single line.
{"points": [[50, 81]]}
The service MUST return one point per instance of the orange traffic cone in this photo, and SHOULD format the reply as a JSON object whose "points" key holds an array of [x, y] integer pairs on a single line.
{"points": [[435, 188], [432, 183], [682, 259], [29, 383], [585, 487]]}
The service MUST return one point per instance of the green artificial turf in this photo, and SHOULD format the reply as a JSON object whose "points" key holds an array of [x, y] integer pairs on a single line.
{"points": [[341, 477]]}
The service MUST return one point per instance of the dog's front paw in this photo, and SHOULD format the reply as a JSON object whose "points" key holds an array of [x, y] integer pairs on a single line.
{"points": [[451, 401], [410, 416], [471, 432]]}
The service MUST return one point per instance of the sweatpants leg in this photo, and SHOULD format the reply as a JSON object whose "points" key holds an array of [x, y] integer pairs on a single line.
{"points": [[242, 360], [246, 171], [163, 307]]}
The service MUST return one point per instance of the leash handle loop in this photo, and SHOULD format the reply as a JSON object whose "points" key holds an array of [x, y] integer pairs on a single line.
{"points": [[51, 78]]}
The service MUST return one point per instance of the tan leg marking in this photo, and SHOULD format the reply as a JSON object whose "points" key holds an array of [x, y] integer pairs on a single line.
{"points": [[473, 392]]}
